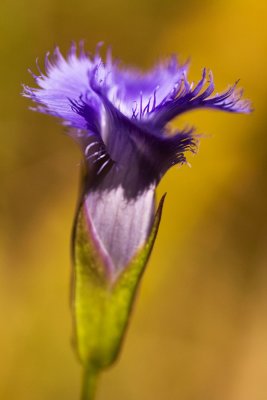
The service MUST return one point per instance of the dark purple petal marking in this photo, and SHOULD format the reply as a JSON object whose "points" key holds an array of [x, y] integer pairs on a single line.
{"points": [[154, 153], [88, 109]]}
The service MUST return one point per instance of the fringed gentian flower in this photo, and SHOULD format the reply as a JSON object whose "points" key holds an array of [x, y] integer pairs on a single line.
{"points": [[119, 117]]}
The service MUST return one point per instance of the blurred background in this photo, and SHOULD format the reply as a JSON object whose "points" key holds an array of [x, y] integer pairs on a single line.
{"points": [[199, 330]]}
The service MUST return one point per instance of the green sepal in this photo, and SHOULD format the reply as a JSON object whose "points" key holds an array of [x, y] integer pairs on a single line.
{"points": [[102, 306]]}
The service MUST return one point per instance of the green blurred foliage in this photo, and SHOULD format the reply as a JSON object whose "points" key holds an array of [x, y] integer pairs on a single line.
{"points": [[199, 331]]}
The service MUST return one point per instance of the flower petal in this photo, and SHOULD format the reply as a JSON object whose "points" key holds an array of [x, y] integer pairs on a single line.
{"points": [[120, 203], [65, 82], [139, 148], [121, 224], [140, 92], [188, 98]]}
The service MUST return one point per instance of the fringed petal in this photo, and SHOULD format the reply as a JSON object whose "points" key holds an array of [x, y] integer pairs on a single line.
{"points": [[145, 153], [185, 97], [154, 98], [64, 82], [139, 92]]}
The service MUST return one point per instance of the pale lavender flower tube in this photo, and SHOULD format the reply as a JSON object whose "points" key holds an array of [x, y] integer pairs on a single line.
{"points": [[118, 116]]}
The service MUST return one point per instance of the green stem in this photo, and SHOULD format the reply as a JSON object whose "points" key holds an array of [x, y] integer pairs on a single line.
{"points": [[89, 383]]}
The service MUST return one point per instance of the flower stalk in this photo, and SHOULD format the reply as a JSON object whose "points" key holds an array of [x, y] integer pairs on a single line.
{"points": [[89, 383]]}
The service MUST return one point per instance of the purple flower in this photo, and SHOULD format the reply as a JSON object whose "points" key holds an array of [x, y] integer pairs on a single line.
{"points": [[119, 117]]}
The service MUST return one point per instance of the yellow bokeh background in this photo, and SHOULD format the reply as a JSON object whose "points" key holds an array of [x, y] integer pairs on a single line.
{"points": [[199, 328]]}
